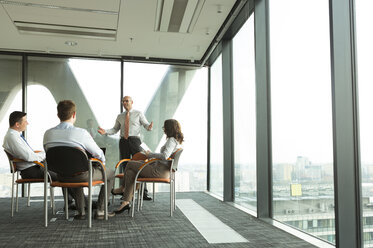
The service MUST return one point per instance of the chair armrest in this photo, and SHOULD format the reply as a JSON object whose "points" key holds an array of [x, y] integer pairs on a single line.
{"points": [[144, 165], [149, 162], [122, 161], [37, 151], [38, 163], [99, 161]]}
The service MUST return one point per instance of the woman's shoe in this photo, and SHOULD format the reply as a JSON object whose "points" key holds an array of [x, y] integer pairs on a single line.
{"points": [[121, 210], [116, 193]]}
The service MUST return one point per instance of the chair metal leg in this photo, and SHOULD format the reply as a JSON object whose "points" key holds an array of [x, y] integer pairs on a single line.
{"points": [[89, 207], [174, 187], [142, 195], [52, 200], [173, 195], [153, 192], [12, 202], [66, 204], [90, 196], [45, 204], [133, 201], [29, 194], [171, 207], [106, 201], [139, 196], [45, 197], [17, 197]]}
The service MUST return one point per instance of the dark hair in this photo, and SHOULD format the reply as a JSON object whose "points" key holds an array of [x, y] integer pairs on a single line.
{"points": [[65, 109], [15, 117], [172, 129]]}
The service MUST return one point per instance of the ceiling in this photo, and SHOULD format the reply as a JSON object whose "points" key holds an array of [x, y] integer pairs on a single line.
{"points": [[161, 29]]}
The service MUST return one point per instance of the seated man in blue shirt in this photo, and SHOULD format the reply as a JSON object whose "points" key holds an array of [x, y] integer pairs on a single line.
{"points": [[66, 134]]}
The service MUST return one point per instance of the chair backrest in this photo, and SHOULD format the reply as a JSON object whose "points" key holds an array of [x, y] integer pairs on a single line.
{"points": [[66, 160], [175, 156], [13, 167]]}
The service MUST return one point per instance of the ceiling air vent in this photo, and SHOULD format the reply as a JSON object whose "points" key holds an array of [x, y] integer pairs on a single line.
{"points": [[179, 16], [52, 29]]}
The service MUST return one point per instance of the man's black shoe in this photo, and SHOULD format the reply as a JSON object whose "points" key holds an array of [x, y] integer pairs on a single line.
{"points": [[146, 197], [79, 217]]}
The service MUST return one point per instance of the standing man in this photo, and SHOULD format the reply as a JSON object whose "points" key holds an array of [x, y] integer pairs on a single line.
{"points": [[66, 134], [129, 123], [16, 144]]}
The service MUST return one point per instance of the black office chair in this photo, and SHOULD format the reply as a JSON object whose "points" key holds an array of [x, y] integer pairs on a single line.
{"points": [[67, 161]]}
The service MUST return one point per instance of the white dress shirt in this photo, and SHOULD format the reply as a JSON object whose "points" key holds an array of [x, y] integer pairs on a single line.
{"points": [[167, 149], [17, 146], [66, 134], [137, 119]]}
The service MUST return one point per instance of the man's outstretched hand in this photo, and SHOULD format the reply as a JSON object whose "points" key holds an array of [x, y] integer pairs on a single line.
{"points": [[150, 127], [101, 130]]}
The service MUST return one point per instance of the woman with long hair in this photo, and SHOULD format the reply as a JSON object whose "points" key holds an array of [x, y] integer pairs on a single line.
{"points": [[157, 169]]}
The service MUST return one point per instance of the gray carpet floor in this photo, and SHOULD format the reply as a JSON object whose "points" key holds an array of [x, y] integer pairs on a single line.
{"points": [[153, 227]]}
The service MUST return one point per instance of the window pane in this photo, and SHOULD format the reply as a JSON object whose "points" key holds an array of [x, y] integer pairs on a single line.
{"points": [[93, 85], [365, 76], [216, 129], [165, 92], [302, 116], [244, 116], [10, 100], [141, 82], [192, 115]]}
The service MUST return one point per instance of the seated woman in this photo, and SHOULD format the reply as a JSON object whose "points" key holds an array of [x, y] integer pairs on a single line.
{"points": [[157, 169]]}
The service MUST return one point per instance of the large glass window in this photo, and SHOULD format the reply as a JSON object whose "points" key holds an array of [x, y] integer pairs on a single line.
{"points": [[244, 116], [163, 92], [216, 129], [10, 100], [365, 76], [94, 86], [302, 139]]}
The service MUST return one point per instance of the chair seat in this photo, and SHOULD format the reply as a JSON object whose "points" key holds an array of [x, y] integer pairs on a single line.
{"points": [[161, 180], [34, 180], [121, 175], [74, 185]]}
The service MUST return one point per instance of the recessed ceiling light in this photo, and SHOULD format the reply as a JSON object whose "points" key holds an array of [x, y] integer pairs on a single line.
{"points": [[71, 43]]}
